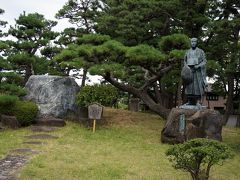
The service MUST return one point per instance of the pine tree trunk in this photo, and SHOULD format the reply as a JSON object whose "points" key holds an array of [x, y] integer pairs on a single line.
{"points": [[84, 77], [229, 104], [28, 73], [179, 93], [142, 94], [157, 93], [156, 107]]}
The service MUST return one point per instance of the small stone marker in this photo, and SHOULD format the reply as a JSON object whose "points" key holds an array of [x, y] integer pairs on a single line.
{"points": [[95, 112], [134, 104]]}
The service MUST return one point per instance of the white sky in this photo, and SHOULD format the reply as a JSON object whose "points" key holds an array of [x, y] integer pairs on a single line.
{"points": [[48, 8]]}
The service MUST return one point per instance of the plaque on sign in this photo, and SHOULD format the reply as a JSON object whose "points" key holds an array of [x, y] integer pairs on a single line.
{"points": [[95, 111], [182, 123]]}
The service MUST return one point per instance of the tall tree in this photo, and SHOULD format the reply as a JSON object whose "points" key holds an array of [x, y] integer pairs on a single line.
{"points": [[32, 32], [83, 14], [134, 22], [3, 45], [191, 16], [223, 46], [9, 80]]}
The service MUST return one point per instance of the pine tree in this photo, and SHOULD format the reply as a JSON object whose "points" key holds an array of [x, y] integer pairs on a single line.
{"points": [[32, 32], [222, 42], [83, 14], [9, 80]]}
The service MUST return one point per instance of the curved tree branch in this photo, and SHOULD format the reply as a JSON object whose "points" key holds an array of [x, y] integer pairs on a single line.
{"points": [[156, 77], [124, 87]]}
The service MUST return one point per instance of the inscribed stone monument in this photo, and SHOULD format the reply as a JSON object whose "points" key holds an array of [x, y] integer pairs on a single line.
{"points": [[54, 95]]}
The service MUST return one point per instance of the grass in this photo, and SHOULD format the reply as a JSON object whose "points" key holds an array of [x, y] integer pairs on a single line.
{"points": [[126, 147]]}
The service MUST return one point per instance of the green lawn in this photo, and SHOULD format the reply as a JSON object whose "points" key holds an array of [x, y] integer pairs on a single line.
{"points": [[126, 147]]}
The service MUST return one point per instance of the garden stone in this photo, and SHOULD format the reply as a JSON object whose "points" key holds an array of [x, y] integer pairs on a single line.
{"points": [[54, 95], [34, 142], [43, 129], [41, 136], [50, 121], [25, 150], [9, 121], [204, 123], [134, 104]]}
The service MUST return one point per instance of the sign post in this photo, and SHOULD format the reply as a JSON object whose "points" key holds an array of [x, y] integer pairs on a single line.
{"points": [[94, 125], [95, 112]]}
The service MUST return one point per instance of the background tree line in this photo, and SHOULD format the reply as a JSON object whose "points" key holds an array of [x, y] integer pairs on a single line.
{"points": [[136, 45]]}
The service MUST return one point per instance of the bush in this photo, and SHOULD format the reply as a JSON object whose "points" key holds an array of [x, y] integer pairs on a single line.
{"points": [[103, 94], [12, 89], [197, 156], [7, 101], [24, 111]]}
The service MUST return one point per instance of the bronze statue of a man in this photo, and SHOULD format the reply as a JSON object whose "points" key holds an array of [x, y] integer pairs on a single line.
{"points": [[194, 73]]}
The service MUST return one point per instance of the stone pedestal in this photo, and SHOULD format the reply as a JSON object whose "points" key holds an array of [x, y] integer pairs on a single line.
{"points": [[205, 123]]}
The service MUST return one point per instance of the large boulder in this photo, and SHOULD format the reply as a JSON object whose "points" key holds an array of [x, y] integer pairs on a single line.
{"points": [[54, 95], [204, 123]]}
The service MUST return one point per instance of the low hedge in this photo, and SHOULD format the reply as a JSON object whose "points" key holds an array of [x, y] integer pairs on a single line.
{"points": [[7, 100], [24, 111], [104, 94]]}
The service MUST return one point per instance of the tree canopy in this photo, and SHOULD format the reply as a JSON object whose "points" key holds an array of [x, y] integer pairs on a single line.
{"points": [[32, 32], [120, 64]]}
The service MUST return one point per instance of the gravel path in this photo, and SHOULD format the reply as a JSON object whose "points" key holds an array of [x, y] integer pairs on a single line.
{"points": [[17, 158], [10, 165]]}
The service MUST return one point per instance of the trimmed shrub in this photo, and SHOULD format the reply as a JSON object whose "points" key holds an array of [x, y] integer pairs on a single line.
{"points": [[103, 94], [24, 111], [12, 89], [6, 103], [197, 156]]}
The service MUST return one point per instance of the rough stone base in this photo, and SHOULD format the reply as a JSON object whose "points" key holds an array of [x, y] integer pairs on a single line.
{"points": [[204, 123]]}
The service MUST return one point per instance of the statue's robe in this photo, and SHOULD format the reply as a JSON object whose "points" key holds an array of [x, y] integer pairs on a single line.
{"points": [[195, 59]]}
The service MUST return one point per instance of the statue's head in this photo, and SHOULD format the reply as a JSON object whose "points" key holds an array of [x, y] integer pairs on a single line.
{"points": [[194, 43]]}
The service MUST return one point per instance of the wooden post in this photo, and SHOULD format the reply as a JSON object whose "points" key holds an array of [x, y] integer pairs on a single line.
{"points": [[94, 125]]}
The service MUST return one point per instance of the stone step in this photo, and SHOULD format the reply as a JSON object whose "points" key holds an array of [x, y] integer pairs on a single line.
{"points": [[43, 128], [50, 121], [41, 136]]}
